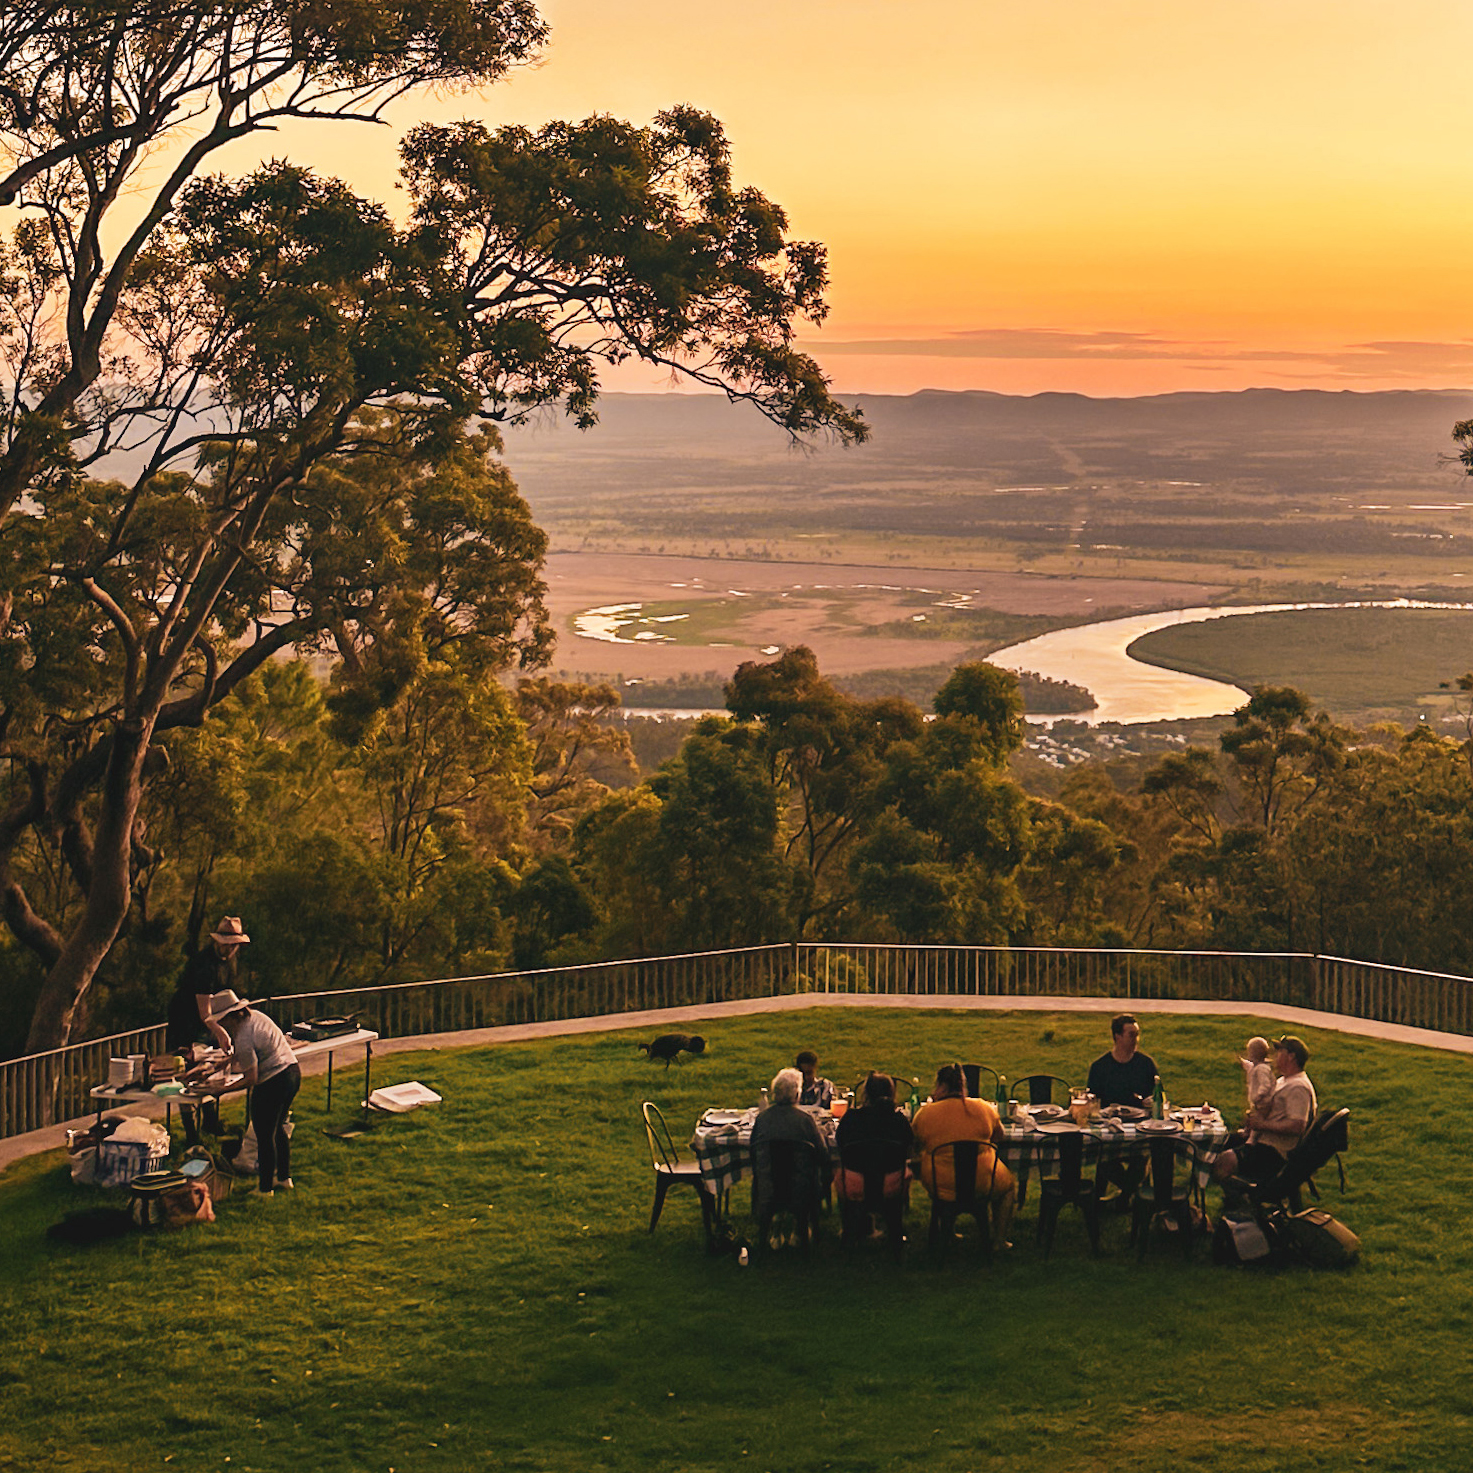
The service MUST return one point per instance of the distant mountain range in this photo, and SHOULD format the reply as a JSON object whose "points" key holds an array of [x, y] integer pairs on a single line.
{"points": [[698, 464]]}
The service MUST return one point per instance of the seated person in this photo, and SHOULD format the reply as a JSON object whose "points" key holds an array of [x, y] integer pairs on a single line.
{"points": [[1276, 1129], [815, 1090], [1123, 1076], [876, 1123], [951, 1116], [782, 1120]]}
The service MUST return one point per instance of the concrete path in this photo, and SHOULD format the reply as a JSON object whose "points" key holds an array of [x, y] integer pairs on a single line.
{"points": [[662, 1019]]}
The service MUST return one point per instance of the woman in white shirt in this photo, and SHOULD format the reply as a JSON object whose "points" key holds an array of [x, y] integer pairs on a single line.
{"points": [[268, 1067]]}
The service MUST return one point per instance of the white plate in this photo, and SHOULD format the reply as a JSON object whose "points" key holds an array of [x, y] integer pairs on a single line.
{"points": [[722, 1117]]}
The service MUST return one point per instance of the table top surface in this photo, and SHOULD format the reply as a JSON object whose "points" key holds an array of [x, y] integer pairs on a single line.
{"points": [[190, 1096]]}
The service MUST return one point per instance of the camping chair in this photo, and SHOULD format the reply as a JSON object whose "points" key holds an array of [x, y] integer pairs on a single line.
{"points": [[1070, 1188], [671, 1171], [1041, 1089], [1161, 1193], [1328, 1135], [873, 1184], [795, 1173], [974, 1073], [972, 1197]]}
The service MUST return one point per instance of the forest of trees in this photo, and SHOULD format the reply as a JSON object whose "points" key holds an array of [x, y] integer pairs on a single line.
{"points": [[308, 390], [288, 667]]}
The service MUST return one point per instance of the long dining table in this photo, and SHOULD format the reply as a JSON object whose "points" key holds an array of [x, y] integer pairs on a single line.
{"points": [[722, 1143]]}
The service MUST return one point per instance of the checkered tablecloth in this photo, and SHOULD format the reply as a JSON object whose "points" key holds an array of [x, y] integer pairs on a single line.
{"points": [[724, 1152], [1028, 1151]]}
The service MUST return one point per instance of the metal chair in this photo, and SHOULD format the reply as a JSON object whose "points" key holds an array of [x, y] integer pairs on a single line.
{"points": [[970, 1199], [1041, 1089], [1160, 1193], [1070, 1188], [873, 1183], [1328, 1135], [974, 1073], [795, 1172], [671, 1171]]}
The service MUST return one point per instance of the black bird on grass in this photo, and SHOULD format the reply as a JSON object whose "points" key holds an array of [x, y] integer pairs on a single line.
{"points": [[671, 1045]]}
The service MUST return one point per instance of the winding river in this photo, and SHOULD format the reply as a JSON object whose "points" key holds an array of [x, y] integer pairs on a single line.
{"points": [[1097, 656]]}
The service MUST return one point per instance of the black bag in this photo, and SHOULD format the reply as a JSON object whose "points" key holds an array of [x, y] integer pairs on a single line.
{"points": [[91, 1225], [1321, 1240]]}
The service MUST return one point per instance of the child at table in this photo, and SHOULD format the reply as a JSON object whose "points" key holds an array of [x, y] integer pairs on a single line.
{"points": [[1258, 1073], [816, 1090]]}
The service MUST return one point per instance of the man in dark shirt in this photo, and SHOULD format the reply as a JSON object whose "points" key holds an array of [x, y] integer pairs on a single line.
{"points": [[1124, 1076], [212, 969]]}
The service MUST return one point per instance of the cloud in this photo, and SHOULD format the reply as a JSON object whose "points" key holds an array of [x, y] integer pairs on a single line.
{"points": [[1024, 342], [1411, 360]]}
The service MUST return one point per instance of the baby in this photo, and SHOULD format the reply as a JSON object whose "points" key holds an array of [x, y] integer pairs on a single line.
{"points": [[1258, 1073]]}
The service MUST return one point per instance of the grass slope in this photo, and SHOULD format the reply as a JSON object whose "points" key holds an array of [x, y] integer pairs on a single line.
{"points": [[472, 1286]]}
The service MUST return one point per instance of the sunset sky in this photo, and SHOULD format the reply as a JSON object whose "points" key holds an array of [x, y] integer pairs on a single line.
{"points": [[1109, 196]]}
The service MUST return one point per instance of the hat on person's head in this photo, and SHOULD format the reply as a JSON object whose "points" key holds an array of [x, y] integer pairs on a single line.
{"points": [[230, 932], [1295, 1046], [222, 1004]]}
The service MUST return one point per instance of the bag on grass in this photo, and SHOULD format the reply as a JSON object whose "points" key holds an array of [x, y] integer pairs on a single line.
{"points": [[1320, 1239], [169, 1199], [200, 1166], [122, 1156], [1241, 1238]]}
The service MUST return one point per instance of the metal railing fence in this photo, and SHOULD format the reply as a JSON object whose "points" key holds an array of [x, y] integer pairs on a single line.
{"points": [[40, 1089]]}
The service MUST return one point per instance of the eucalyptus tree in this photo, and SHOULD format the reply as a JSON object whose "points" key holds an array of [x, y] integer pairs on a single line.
{"points": [[243, 340]]}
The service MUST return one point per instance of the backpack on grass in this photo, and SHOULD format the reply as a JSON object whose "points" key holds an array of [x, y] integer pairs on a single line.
{"points": [[1321, 1240]]}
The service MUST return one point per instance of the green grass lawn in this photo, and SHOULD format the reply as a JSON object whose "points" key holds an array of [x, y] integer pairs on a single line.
{"points": [[472, 1286]]}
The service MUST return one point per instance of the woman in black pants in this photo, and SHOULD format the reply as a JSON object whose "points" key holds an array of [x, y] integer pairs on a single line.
{"points": [[269, 1068]]}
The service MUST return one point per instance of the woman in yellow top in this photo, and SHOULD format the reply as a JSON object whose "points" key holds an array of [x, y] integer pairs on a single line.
{"points": [[951, 1116]]}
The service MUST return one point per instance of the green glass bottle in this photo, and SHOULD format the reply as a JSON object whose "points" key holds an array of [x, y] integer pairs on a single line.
{"points": [[1158, 1101], [1002, 1097]]}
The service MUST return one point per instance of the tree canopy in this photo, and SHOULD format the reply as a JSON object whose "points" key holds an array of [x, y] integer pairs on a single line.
{"points": [[305, 389]]}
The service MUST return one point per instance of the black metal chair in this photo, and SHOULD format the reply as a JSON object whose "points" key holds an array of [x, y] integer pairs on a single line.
{"points": [[670, 1171], [1162, 1193], [878, 1170], [1041, 1089], [1070, 1188], [796, 1180], [970, 1160], [974, 1076], [1328, 1135]]}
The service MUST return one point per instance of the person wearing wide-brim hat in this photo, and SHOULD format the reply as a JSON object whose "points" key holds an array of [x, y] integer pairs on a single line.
{"points": [[212, 968], [268, 1066]]}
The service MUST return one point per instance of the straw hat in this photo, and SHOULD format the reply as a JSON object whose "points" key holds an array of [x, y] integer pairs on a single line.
{"points": [[230, 932], [222, 1004]]}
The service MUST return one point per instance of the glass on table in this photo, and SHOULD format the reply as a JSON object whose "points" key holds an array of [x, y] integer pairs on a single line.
{"points": [[838, 1106]]}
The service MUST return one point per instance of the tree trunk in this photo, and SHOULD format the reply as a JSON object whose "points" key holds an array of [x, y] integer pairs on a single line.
{"points": [[108, 896]]}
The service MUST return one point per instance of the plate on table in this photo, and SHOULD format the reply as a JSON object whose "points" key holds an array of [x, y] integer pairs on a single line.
{"points": [[1058, 1127], [1046, 1114], [1159, 1127], [722, 1117], [1126, 1114]]}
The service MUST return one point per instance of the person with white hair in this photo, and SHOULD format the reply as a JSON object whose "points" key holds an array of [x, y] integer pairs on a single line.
{"points": [[785, 1120]]}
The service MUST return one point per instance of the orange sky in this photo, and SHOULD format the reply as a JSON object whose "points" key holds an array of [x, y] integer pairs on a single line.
{"points": [[1110, 196]]}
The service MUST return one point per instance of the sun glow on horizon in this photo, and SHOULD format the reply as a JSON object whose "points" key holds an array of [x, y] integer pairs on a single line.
{"points": [[1133, 198]]}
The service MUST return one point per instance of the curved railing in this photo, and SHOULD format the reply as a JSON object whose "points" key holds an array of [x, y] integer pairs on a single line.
{"points": [[40, 1089]]}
